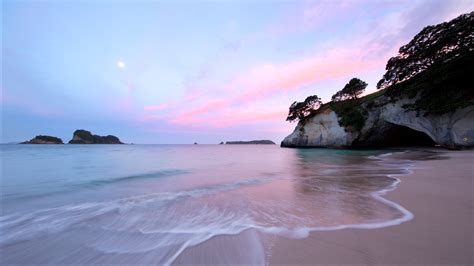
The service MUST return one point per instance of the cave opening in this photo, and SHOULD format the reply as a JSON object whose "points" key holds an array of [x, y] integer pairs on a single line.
{"points": [[402, 136], [392, 135]]}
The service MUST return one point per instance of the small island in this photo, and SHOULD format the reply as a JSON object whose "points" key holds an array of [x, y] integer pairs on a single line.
{"points": [[267, 142], [43, 139], [81, 136]]}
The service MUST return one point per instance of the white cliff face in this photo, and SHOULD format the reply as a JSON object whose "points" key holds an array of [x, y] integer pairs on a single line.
{"points": [[452, 130], [322, 130]]}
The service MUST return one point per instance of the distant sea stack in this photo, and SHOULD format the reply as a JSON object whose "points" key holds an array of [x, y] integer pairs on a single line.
{"points": [[251, 142], [85, 137], [41, 139]]}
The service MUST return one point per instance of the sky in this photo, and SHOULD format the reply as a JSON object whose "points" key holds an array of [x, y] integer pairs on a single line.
{"points": [[178, 72]]}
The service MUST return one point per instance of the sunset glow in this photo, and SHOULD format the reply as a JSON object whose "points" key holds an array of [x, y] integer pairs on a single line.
{"points": [[248, 63]]}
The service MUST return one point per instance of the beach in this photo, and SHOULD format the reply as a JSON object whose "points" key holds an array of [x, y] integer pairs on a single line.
{"points": [[439, 193], [234, 204]]}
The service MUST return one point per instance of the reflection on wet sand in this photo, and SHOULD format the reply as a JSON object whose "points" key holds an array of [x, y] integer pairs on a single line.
{"points": [[226, 206]]}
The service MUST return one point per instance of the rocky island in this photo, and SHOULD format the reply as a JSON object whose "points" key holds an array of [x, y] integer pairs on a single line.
{"points": [[81, 136], [250, 142], [42, 139], [425, 98]]}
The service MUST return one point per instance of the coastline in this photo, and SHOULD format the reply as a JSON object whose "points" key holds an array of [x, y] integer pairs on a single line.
{"points": [[441, 231], [438, 192]]}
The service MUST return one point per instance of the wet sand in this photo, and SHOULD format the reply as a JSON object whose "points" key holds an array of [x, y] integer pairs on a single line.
{"points": [[440, 194]]}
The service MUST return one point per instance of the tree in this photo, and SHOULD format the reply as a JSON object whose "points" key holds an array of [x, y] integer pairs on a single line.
{"points": [[351, 90], [301, 110], [434, 45]]}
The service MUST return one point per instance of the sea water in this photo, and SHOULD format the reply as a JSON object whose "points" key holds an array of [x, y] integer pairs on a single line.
{"points": [[146, 204]]}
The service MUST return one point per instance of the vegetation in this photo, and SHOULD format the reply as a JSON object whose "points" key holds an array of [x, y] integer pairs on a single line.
{"points": [[351, 114], [49, 138], [434, 45], [347, 106], [436, 67], [85, 137], [302, 110], [43, 139], [440, 90], [351, 90]]}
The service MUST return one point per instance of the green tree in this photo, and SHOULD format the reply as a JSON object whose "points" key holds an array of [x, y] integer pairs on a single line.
{"points": [[433, 46], [301, 110], [352, 90]]}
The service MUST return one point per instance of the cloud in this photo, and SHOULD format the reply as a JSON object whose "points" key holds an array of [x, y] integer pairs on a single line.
{"points": [[240, 98], [227, 118], [155, 107]]}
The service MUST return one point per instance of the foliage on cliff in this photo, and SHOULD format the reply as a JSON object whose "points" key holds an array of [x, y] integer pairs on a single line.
{"points": [[440, 90], [351, 114], [433, 46], [437, 67], [302, 110], [351, 91], [346, 104]]}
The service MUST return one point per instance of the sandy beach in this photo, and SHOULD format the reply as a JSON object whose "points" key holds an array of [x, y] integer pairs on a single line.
{"points": [[440, 195]]}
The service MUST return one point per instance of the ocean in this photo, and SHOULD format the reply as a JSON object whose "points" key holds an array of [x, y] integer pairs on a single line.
{"points": [[146, 204]]}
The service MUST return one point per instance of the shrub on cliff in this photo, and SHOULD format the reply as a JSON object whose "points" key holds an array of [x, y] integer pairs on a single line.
{"points": [[301, 110], [436, 67], [351, 115], [434, 45], [352, 90], [347, 106]]}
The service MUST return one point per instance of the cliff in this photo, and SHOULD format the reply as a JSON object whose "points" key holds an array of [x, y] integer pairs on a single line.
{"points": [[85, 137], [251, 142], [387, 124], [41, 139], [425, 98], [433, 108]]}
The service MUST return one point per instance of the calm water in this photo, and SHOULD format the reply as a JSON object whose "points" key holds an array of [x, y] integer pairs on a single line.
{"points": [[147, 203]]}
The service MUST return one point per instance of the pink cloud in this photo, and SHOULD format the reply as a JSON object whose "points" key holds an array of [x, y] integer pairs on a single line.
{"points": [[248, 117], [192, 116], [155, 107], [239, 99], [225, 118], [253, 87], [265, 80]]}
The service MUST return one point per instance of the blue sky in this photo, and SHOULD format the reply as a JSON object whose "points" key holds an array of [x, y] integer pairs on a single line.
{"points": [[194, 71]]}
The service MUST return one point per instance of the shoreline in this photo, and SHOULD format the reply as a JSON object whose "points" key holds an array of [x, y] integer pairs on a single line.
{"points": [[426, 237], [441, 231]]}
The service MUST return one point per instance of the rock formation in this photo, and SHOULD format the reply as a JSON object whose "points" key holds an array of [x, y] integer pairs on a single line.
{"points": [[387, 124], [81, 136], [41, 139], [426, 98]]}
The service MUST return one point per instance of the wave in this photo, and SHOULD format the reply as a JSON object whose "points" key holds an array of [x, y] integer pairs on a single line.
{"points": [[169, 222], [20, 226], [156, 174], [74, 186]]}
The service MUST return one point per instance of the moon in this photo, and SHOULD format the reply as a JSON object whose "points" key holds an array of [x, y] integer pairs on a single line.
{"points": [[120, 64]]}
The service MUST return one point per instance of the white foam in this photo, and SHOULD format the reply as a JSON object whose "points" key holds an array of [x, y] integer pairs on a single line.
{"points": [[194, 229]]}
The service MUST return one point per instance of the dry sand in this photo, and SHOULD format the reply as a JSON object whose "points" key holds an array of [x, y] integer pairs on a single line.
{"points": [[440, 194]]}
